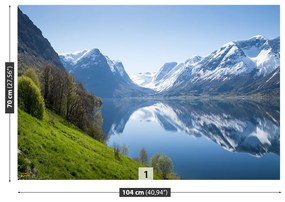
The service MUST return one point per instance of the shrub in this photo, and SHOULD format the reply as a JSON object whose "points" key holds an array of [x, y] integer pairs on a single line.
{"points": [[23, 164], [29, 97], [162, 164]]}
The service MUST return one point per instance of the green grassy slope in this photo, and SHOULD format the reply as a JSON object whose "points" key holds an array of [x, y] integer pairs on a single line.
{"points": [[54, 149]]}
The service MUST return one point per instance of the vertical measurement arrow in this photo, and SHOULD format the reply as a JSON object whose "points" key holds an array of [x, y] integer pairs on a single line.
{"points": [[9, 88], [9, 114], [9, 95], [9, 33]]}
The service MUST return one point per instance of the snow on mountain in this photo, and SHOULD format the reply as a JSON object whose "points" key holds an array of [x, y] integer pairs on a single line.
{"points": [[143, 79], [273, 75], [92, 56], [233, 134], [193, 61], [263, 53], [249, 59], [256, 56], [162, 114], [235, 58], [168, 74], [222, 63], [73, 57], [168, 80], [164, 70], [156, 80], [80, 58], [117, 68], [101, 75]]}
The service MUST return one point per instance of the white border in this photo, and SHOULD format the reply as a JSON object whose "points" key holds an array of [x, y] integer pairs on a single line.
{"points": [[9, 191]]}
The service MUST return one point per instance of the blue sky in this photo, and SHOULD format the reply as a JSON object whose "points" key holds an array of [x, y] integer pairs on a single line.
{"points": [[145, 37]]}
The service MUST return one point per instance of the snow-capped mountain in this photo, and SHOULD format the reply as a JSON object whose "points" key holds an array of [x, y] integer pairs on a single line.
{"points": [[70, 59], [143, 79], [166, 76], [224, 129], [253, 128], [264, 53], [230, 68], [101, 75], [164, 70], [170, 77], [118, 69]]}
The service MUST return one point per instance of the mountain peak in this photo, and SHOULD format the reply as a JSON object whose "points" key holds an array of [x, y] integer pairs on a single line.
{"points": [[74, 53], [249, 59], [94, 50], [193, 60], [73, 57], [231, 43], [257, 37], [254, 38], [76, 56], [165, 69]]}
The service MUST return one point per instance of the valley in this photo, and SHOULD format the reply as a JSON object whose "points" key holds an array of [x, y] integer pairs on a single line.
{"points": [[239, 68], [219, 111]]}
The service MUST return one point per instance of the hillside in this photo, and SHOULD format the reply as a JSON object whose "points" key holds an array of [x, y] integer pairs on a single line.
{"points": [[34, 50], [54, 149]]}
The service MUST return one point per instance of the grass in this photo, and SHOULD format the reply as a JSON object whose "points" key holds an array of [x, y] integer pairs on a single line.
{"points": [[54, 149]]}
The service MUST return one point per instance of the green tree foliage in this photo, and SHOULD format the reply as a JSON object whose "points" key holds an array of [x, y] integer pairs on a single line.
{"points": [[143, 156], [70, 100], [54, 82], [162, 164], [31, 73], [117, 153], [29, 97]]}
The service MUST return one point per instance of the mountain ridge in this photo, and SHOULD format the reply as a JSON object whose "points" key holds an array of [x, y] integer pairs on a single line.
{"points": [[237, 62], [101, 75], [33, 48]]}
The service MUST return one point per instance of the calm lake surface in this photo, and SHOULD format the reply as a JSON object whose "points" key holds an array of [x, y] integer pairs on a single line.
{"points": [[205, 139]]}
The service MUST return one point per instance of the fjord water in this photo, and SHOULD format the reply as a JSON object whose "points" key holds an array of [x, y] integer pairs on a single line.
{"points": [[230, 139]]}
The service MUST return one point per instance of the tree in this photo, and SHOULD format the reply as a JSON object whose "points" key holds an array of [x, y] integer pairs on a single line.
{"points": [[46, 77], [124, 149], [29, 97], [31, 73], [162, 164], [116, 149], [143, 156], [54, 88], [69, 99]]}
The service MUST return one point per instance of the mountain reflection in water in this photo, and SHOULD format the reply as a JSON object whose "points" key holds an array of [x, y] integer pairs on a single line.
{"points": [[239, 126]]}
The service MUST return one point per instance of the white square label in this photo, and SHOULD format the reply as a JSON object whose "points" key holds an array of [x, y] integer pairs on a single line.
{"points": [[146, 173]]}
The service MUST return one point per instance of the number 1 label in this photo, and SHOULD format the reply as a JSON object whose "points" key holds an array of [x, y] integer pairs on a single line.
{"points": [[145, 173]]}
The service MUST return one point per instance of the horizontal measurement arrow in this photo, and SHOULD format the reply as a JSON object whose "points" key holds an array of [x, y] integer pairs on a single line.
{"points": [[67, 192], [175, 192], [227, 192]]}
